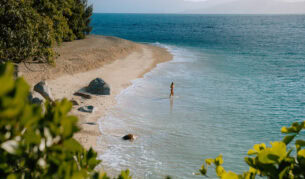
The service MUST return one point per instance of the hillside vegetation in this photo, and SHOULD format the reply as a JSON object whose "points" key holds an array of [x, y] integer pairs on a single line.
{"points": [[30, 28]]}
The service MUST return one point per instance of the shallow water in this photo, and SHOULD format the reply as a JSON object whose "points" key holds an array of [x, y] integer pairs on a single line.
{"points": [[238, 79]]}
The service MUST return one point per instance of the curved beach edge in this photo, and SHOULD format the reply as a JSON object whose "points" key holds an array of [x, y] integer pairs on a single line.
{"points": [[116, 61]]}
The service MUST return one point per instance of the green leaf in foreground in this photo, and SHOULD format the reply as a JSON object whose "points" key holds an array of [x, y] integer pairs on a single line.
{"points": [[272, 162]]}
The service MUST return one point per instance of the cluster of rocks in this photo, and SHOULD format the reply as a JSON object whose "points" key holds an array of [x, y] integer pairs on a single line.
{"points": [[96, 87]]}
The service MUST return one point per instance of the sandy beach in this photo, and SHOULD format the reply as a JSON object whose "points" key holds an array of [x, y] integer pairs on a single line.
{"points": [[115, 60]]}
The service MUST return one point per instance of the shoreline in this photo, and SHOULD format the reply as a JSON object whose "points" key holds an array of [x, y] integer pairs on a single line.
{"points": [[116, 61]]}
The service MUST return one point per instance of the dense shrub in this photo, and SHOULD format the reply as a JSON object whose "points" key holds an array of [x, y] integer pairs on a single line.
{"points": [[23, 32], [30, 28], [56, 10], [79, 19]]}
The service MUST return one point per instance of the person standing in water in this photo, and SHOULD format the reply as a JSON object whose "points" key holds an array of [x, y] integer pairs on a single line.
{"points": [[172, 90]]}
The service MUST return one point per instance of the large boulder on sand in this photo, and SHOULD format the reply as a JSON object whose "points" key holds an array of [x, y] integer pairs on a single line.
{"points": [[99, 87], [43, 89]]}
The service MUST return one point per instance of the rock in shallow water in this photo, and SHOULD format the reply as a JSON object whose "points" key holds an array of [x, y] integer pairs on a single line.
{"points": [[129, 137], [99, 87]]}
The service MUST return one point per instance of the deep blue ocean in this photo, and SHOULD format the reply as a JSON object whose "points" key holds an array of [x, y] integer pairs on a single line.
{"points": [[238, 80]]}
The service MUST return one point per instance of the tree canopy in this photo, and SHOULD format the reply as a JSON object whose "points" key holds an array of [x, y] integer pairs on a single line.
{"points": [[30, 28]]}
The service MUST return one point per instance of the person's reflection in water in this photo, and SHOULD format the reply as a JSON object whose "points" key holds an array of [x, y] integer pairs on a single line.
{"points": [[171, 104]]}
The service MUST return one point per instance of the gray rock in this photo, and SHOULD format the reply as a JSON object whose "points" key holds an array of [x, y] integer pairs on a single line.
{"points": [[35, 100], [106, 90], [99, 87], [87, 109], [43, 89]]}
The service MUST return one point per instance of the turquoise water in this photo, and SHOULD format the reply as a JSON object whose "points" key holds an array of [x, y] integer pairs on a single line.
{"points": [[238, 79]]}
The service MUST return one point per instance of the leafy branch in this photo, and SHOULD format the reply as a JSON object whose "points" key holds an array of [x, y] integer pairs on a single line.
{"points": [[275, 161]]}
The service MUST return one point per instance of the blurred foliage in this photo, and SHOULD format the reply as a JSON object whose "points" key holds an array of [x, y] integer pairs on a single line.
{"points": [[38, 142], [275, 161], [30, 28]]}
